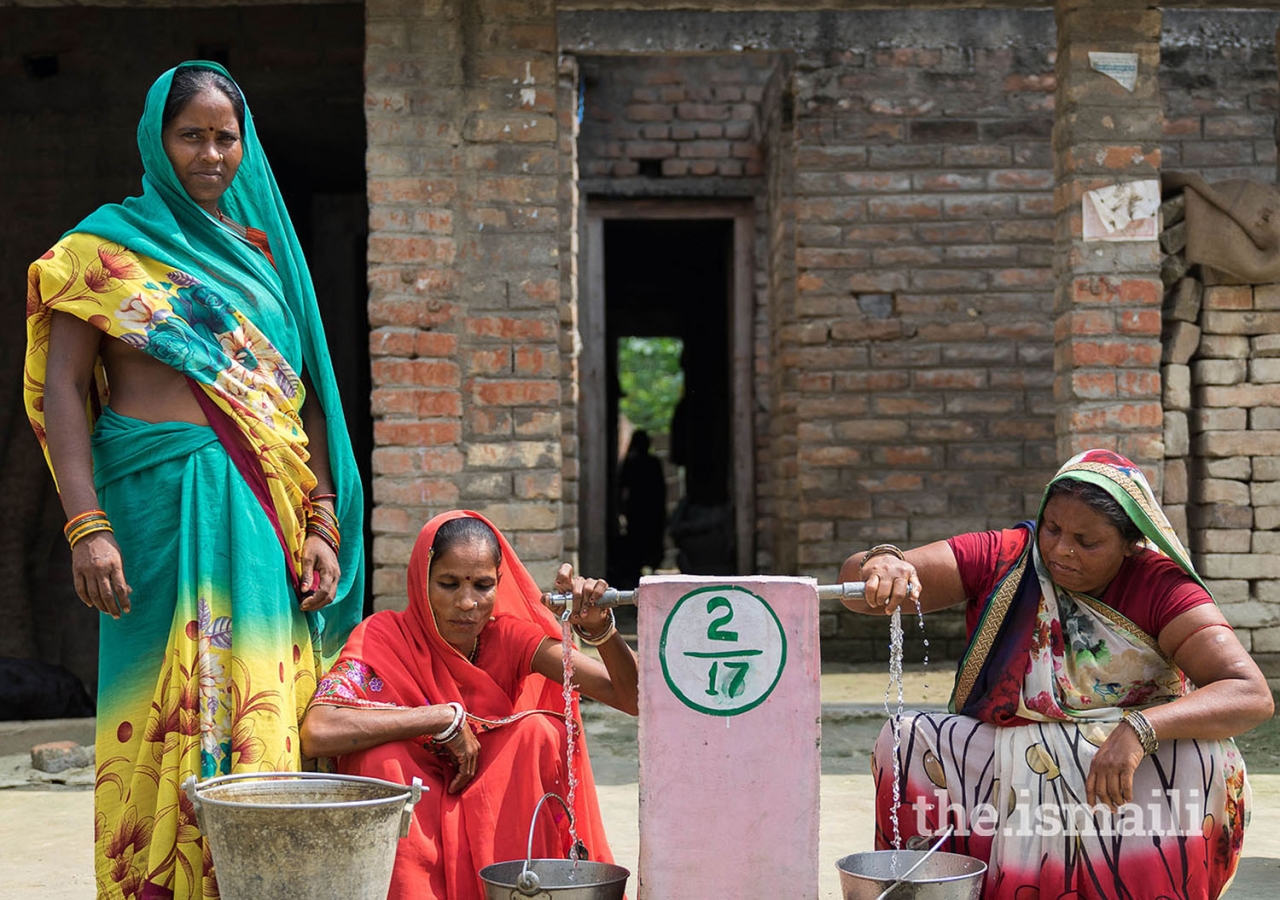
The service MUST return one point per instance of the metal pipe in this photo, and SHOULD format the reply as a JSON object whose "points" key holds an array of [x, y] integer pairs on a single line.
{"points": [[613, 597]]}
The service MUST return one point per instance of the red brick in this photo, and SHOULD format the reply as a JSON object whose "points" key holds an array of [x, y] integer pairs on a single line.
{"points": [[490, 361], [511, 328], [1138, 384], [965, 379], [517, 393], [531, 361], [415, 492], [396, 248], [1114, 353], [1235, 297], [415, 402], [415, 372], [1093, 385], [416, 434], [435, 343], [1140, 321], [392, 342], [1085, 321], [545, 290], [434, 192]]}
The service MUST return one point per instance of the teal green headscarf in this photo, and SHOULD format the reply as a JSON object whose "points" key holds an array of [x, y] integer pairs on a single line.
{"points": [[167, 225]]}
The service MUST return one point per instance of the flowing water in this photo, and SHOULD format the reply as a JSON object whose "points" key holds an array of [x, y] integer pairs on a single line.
{"points": [[895, 680], [570, 725], [897, 639]]}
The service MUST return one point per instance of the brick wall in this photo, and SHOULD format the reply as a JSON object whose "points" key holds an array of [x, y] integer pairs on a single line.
{"points": [[778, 394], [922, 342], [1219, 89], [465, 167], [673, 116]]}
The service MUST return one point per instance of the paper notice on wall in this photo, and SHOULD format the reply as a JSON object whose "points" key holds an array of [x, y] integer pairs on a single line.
{"points": [[1122, 67], [1122, 212]]}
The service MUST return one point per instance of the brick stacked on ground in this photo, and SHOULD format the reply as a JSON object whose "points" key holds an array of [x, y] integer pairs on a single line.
{"points": [[1222, 411], [465, 287]]}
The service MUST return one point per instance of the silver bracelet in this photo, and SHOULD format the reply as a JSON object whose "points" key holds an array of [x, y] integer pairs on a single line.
{"points": [[603, 637], [454, 727], [1143, 729]]}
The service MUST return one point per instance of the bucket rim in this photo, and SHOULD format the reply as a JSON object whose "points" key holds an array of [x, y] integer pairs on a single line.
{"points": [[940, 879], [403, 791], [619, 873]]}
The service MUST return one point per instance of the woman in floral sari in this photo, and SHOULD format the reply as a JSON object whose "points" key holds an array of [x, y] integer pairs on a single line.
{"points": [[1088, 750], [178, 377]]}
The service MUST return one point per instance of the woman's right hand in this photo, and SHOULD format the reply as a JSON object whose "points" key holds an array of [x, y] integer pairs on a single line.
{"points": [[465, 750], [889, 581], [99, 574]]}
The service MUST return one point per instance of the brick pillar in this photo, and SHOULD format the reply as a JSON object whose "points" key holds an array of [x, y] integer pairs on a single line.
{"points": [[1107, 295], [464, 281]]}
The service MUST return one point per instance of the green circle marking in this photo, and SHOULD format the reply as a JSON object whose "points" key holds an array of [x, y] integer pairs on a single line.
{"points": [[679, 692]]}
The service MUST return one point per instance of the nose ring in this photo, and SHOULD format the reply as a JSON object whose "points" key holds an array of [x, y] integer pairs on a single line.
{"points": [[1071, 553]]}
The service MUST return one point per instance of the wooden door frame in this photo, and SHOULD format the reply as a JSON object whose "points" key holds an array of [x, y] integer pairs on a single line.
{"points": [[593, 405]]}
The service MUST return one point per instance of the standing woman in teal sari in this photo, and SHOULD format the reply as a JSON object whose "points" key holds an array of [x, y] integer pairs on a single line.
{"points": [[178, 378]]}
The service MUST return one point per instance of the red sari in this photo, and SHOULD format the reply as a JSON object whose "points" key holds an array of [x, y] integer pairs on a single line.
{"points": [[399, 659]]}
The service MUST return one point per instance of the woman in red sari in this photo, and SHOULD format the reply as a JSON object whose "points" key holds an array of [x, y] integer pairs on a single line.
{"points": [[464, 689]]}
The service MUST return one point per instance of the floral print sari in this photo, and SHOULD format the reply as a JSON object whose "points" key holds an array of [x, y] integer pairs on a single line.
{"points": [[213, 668], [1045, 680]]}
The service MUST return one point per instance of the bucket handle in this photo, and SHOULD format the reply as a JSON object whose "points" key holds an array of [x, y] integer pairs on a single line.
{"points": [[528, 883], [189, 788], [415, 794]]}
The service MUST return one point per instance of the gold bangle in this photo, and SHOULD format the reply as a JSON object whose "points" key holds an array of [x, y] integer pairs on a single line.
{"points": [[87, 528]]}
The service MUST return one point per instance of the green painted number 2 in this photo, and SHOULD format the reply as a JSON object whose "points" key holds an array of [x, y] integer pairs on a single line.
{"points": [[714, 632]]}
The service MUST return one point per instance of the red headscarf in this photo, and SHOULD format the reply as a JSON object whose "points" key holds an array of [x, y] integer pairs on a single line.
{"points": [[412, 665]]}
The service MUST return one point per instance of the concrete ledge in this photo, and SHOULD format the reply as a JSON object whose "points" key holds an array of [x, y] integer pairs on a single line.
{"points": [[20, 737]]}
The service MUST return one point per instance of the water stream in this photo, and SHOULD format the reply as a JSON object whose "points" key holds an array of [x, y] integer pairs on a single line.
{"points": [[570, 727], [897, 639]]}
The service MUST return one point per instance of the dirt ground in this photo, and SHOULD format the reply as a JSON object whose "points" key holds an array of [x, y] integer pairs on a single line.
{"points": [[46, 830]]}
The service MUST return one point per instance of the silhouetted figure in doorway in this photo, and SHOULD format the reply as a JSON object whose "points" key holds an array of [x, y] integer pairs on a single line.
{"points": [[702, 526], [643, 488]]}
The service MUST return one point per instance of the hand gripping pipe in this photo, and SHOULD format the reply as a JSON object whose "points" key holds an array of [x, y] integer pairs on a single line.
{"points": [[614, 597]]}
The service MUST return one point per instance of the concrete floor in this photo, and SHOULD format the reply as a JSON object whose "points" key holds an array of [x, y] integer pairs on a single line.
{"points": [[46, 831]]}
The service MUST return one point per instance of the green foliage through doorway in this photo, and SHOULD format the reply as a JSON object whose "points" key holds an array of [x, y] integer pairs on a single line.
{"points": [[651, 380]]}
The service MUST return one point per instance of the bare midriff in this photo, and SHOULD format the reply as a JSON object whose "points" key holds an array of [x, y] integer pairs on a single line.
{"points": [[147, 389]]}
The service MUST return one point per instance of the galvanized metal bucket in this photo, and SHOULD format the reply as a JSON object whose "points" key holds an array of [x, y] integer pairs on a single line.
{"points": [[553, 879], [944, 876], [285, 835]]}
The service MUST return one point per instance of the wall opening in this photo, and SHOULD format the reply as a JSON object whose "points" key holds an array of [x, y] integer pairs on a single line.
{"points": [[680, 270]]}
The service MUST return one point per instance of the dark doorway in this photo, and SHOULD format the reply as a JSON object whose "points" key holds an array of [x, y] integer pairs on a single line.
{"points": [[671, 277]]}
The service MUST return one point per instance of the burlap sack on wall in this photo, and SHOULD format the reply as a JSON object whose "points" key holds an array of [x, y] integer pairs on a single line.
{"points": [[1232, 226]]}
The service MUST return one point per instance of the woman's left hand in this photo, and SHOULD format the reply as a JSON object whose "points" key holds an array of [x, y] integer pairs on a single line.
{"points": [[587, 592], [320, 573], [1110, 780]]}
